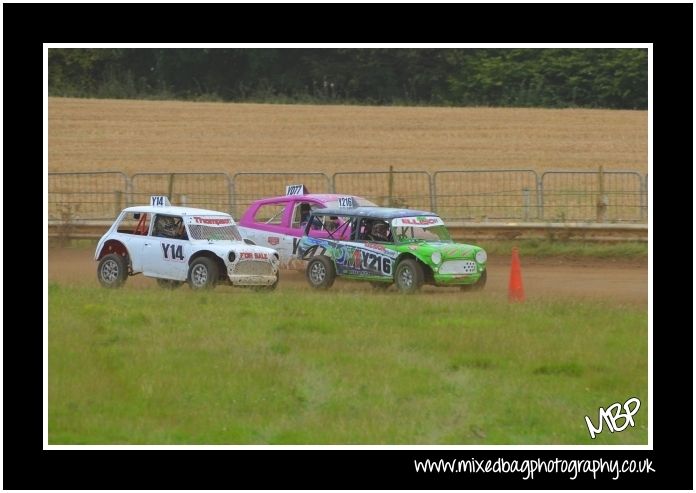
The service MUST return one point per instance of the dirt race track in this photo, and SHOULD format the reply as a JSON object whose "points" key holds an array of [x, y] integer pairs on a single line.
{"points": [[623, 282]]}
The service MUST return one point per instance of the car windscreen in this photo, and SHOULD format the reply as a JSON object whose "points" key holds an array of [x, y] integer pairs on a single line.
{"points": [[218, 228], [405, 234]]}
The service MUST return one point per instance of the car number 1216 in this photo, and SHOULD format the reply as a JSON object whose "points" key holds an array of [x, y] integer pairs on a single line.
{"points": [[345, 202]]}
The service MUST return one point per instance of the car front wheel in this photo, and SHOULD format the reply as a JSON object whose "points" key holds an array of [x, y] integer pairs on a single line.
{"points": [[321, 272], [408, 276], [112, 271], [202, 274]]}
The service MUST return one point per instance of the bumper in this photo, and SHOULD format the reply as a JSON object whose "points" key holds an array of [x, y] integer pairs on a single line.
{"points": [[456, 279], [252, 280]]}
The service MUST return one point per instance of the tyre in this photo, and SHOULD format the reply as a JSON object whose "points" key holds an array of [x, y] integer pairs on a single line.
{"points": [[408, 276], [168, 283], [112, 271], [478, 285], [202, 274], [321, 272], [380, 286]]}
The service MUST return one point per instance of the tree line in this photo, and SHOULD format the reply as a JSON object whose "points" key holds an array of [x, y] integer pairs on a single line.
{"points": [[541, 77]]}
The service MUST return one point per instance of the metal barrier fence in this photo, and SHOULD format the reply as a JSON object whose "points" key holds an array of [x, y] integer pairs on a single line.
{"points": [[487, 194], [644, 204], [202, 190], [248, 187], [409, 189], [602, 196], [76, 196], [470, 195]]}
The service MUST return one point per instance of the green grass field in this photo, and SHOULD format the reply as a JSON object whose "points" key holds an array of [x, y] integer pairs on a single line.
{"points": [[233, 366]]}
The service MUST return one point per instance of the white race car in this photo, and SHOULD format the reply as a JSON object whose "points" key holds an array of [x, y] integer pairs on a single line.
{"points": [[177, 244]]}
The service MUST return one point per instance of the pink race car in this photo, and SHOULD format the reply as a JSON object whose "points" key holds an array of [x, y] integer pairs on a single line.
{"points": [[278, 222]]}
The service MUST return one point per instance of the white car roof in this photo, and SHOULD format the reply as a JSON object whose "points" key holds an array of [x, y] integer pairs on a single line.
{"points": [[176, 210]]}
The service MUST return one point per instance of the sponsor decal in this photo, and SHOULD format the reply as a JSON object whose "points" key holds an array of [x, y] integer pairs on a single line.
{"points": [[422, 221], [274, 240], [253, 256], [212, 220], [375, 246], [419, 221]]}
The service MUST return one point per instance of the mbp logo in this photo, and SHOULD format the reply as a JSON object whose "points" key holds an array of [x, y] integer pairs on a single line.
{"points": [[612, 414]]}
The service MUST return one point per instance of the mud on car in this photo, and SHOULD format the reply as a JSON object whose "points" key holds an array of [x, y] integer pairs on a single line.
{"points": [[182, 244], [386, 246]]}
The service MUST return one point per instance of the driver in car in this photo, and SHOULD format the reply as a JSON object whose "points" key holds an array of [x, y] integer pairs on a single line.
{"points": [[380, 231]]}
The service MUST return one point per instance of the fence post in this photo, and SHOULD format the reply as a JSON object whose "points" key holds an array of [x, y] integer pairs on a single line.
{"points": [[183, 198], [644, 198], [117, 202], [540, 196], [391, 186], [170, 194], [525, 195], [602, 200], [431, 188]]}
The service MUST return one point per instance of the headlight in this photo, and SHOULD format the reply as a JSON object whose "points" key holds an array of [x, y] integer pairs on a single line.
{"points": [[481, 256], [231, 256], [436, 257]]}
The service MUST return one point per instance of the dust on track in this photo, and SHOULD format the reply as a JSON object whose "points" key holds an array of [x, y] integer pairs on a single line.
{"points": [[590, 278]]}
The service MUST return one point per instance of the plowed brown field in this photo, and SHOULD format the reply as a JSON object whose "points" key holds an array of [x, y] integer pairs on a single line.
{"points": [[141, 136]]}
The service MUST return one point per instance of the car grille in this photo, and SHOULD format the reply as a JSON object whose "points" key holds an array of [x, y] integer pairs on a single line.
{"points": [[253, 268], [458, 267]]}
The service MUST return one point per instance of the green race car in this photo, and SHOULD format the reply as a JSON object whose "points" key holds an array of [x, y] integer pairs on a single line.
{"points": [[387, 246]]}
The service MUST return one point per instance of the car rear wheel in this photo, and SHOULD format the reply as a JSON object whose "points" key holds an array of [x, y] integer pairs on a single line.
{"points": [[409, 276], [112, 271], [321, 272], [168, 283], [202, 274], [478, 285]]}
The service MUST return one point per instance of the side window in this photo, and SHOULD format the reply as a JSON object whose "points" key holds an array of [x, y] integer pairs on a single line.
{"points": [[270, 214], [375, 230], [364, 230], [300, 215], [134, 223], [333, 227], [166, 226]]}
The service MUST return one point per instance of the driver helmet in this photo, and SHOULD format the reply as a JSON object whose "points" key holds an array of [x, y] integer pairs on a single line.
{"points": [[168, 226], [379, 230]]}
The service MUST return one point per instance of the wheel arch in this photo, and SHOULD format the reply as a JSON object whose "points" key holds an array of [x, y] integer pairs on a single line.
{"points": [[428, 275], [222, 268], [114, 246]]}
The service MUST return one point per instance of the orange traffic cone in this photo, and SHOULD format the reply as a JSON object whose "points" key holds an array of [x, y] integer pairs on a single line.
{"points": [[515, 289]]}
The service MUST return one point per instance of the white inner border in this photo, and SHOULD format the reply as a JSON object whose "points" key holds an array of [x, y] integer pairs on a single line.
{"points": [[650, 408]]}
